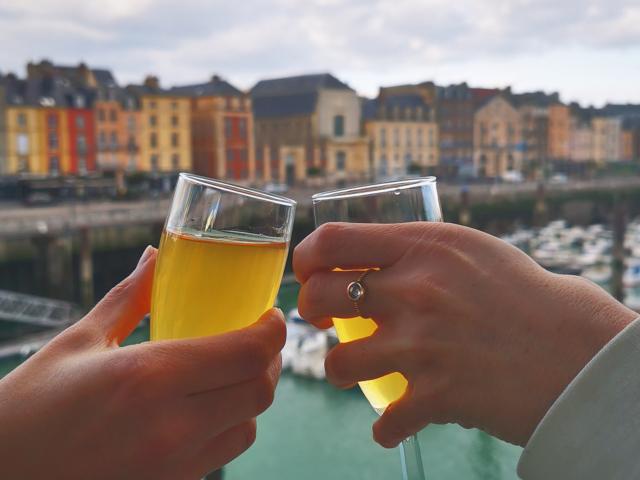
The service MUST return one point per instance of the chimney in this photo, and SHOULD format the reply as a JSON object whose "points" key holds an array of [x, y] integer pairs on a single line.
{"points": [[215, 78], [152, 82]]}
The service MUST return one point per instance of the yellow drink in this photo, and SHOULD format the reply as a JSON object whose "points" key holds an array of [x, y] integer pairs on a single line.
{"points": [[206, 285], [381, 391]]}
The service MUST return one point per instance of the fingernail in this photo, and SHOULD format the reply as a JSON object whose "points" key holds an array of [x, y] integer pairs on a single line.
{"points": [[145, 255]]}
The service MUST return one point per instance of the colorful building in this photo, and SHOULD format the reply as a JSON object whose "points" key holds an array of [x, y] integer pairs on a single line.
{"points": [[306, 127], [559, 132], [164, 128], [222, 140], [497, 137], [3, 127], [403, 134]]}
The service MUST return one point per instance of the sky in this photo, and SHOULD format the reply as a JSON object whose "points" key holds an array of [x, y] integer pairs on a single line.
{"points": [[588, 50]]}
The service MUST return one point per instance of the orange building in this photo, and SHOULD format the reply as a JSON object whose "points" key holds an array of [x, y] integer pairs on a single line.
{"points": [[559, 131], [222, 139]]}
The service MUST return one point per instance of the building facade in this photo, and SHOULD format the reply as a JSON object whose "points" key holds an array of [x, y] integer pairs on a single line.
{"points": [[164, 128], [455, 113], [3, 127], [559, 132], [222, 139], [308, 126], [497, 137], [607, 139], [403, 135]]}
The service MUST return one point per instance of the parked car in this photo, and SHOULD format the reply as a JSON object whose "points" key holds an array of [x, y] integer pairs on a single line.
{"points": [[276, 188], [558, 179], [512, 176]]}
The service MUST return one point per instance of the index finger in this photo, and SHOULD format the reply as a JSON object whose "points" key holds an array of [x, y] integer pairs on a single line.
{"points": [[201, 364], [351, 246]]}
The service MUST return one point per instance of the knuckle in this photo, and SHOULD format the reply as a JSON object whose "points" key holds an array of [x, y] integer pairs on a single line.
{"points": [[263, 392], [248, 434], [325, 238], [336, 366], [311, 294], [259, 353]]}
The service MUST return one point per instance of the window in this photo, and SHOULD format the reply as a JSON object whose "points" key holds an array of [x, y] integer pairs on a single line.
{"points": [[408, 137], [384, 167], [81, 144], [174, 120], [102, 140], [341, 161], [153, 104], [131, 123], [82, 165], [80, 101], [383, 137], [132, 162], [420, 135], [54, 166], [153, 140], [175, 140], [23, 144], [113, 115], [338, 126], [80, 122], [114, 141], [242, 125], [154, 163], [153, 120], [175, 161], [53, 140], [174, 105], [52, 121], [228, 127], [22, 120], [101, 115], [131, 144], [396, 137]]}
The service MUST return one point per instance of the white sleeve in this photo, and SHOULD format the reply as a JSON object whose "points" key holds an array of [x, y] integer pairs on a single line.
{"points": [[592, 431]]}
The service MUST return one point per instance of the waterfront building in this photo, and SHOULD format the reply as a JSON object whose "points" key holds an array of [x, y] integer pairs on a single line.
{"points": [[3, 127], [631, 139], [497, 137], [559, 132], [164, 128], [308, 126], [607, 139], [534, 118], [403, 133], [222, 140], [581, 138], [455, 111]]}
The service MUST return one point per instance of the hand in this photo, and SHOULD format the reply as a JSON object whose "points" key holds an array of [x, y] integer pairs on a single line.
{"points": [[83, 407], [485, 336]]}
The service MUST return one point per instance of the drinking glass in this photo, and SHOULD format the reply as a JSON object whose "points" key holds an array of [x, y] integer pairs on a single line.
{"points": [[392, 202], [221, 258]]}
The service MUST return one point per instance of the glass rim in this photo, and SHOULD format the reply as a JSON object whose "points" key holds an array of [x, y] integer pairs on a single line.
{"points": [[238, 190], [376, 188]]}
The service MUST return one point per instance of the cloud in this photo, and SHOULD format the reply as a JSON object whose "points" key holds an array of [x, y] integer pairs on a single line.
{"points": [[250, 39]]}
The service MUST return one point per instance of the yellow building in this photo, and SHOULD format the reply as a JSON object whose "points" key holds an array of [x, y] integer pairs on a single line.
{"points": [[25, 143], [164, 129]]}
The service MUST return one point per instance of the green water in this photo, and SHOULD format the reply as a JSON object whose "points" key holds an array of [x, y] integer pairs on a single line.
{"points": [[316, 432]]}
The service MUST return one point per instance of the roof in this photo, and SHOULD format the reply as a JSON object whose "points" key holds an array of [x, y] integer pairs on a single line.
{"points": [[215, 87], [298, 85], [284, 105], [104, 77], [454, 92], [382, 107], [145, 90], [628, 110], [538, 99]]}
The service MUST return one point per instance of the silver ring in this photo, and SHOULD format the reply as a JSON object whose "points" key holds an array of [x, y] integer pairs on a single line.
{"points": [[356, 291]]}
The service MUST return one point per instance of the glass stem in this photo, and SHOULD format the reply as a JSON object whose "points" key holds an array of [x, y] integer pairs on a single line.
{"points": [[411, 459]]}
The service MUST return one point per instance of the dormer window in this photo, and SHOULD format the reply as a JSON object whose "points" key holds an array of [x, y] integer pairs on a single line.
{"points": [[80, 103]]}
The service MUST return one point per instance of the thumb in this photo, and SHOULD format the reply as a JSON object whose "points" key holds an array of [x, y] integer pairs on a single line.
{"points": [[118, 313]]}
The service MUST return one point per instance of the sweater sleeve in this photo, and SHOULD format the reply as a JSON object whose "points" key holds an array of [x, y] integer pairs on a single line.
{"points": [[592, 431]]}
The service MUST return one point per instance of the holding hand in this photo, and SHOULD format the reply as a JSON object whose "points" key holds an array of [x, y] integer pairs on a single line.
{"points": [[83, 407], [485, 337]]}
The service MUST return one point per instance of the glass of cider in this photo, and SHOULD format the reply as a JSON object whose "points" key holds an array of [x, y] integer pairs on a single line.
{"points": [[414, 200], [221, 258]]}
